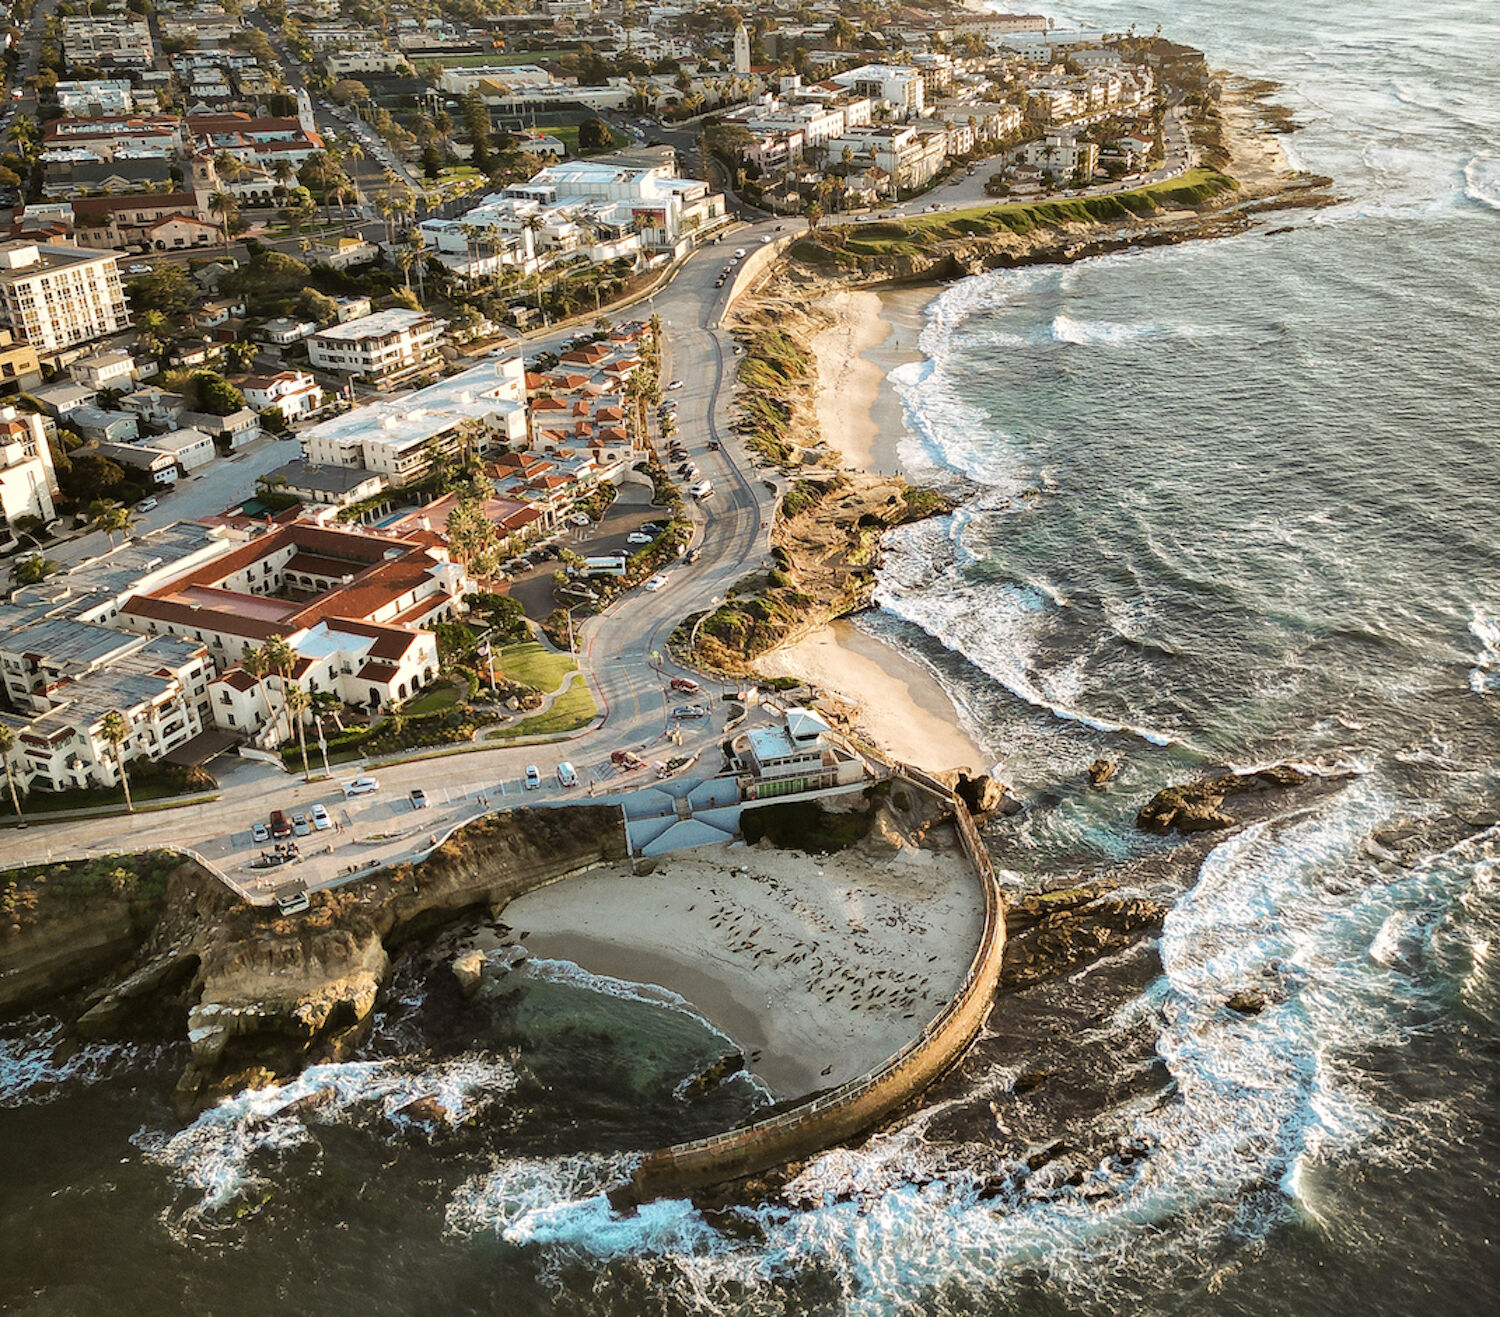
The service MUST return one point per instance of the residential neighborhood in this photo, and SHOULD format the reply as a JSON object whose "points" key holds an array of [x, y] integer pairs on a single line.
{"points": [[343, 281]]}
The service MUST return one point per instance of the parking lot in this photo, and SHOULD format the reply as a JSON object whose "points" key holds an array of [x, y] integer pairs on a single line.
{"points": [[626, 515]]}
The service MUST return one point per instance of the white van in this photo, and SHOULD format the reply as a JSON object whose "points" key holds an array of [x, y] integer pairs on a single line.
{"points": [[703, 489], [566, 775]]}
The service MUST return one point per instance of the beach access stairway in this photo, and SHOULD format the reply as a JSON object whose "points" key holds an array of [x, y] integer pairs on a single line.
{"points": [[866, 1100]]}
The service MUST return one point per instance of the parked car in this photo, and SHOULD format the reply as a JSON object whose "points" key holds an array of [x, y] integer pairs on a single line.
{"points": [[657, 581], [418, 798], [703, 489], [281, 826], [636, 537], [320, 819], [145, 505], [533, 778], [685, 684], [690, 471], [300, 825], [690, 711], [692, 556], [651, 527], [713, 445], [259, 833], [566, 775], [739, 253], [361, 786], [581, 519], [675, 384]]}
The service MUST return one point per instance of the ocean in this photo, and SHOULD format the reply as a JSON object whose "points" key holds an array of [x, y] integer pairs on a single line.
{"points": [[1230, 502]]}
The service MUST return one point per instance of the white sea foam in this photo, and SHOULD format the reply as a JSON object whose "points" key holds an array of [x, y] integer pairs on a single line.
{"points": [[1482, 180], [33, 1072], [227, 1157], [993, 627], [1484, 676]]}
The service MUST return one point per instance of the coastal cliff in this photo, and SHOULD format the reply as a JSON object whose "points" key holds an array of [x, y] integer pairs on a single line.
{"points": [[261, 995]]}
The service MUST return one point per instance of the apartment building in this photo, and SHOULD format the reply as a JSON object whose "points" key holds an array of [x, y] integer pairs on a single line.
{"points": [[99, 96], [903, 87], [28, 480], [98, 42], [20, 368], [395, 438], [386, 348], [56, 296]]}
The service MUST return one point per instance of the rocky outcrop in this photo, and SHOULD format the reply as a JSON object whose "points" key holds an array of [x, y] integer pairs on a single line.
{"points": [[981, 792], [263, 994], [468, 969], [1101, 770], [1198, 806], [1052, 933]]}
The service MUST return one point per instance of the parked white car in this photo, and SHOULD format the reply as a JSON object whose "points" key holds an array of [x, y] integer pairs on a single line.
{"points": [[361, 786], [320, 819], [657, 581]]}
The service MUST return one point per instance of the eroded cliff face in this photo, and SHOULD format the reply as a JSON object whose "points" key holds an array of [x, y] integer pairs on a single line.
{"points": [[261, 995]]}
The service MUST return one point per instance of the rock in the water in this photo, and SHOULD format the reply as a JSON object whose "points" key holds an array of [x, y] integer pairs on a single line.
{"points": [[1101, 770], [1248, 1001], [1196, 806], [468, 969], [426, 1110]]}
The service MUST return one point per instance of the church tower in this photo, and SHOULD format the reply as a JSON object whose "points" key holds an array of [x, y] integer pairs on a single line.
{"points": [[305, 118]]}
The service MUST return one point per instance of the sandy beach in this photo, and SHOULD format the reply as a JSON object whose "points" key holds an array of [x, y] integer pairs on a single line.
{"points": [[898, 704], [858, 410], [818, 966]]}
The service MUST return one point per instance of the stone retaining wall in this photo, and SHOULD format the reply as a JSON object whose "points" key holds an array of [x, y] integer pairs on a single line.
{"points": [[862, 1102]]}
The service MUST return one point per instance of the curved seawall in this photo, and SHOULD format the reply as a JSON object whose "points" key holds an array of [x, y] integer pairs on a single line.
{"points": [[864, 1101]]}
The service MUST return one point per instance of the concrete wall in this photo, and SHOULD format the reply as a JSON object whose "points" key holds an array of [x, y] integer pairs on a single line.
{"points": [[863, 1102]]}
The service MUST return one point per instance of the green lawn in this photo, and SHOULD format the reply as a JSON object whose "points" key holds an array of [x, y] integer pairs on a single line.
{"points": [[531, 664], [914, 234], [443, 695], [568, 135], [573, 709]]}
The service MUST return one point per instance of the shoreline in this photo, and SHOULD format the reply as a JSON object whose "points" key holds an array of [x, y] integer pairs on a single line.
{"points": [[898, 704], [818, 966]]}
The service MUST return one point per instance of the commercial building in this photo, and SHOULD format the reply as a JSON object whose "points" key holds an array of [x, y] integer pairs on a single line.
{"points": [[386, 348], [801, 755], [56, 296]]}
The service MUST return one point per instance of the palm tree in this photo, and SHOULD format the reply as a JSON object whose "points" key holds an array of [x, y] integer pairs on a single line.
{"points": [[298, 701], [115, 729], [221, 203], [282, 659], [111, 518], [256, 665], [326, 704], [7, 744], [418, 245]]}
